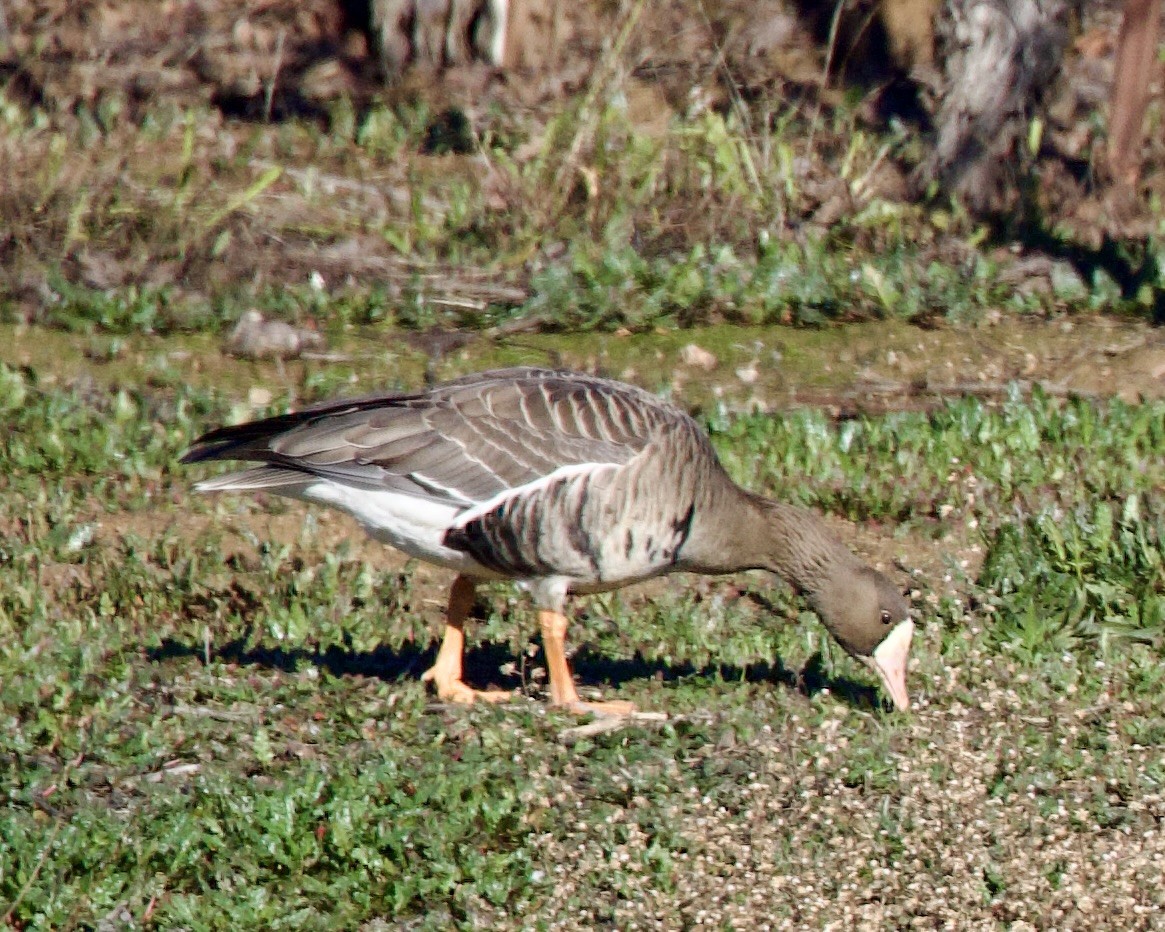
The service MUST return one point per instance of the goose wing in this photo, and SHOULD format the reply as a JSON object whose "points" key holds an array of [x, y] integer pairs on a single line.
{"points": [[463, 443]]}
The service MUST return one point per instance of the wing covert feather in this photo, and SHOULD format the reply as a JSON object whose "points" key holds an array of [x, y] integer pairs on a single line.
{"points": [[466, 441]]}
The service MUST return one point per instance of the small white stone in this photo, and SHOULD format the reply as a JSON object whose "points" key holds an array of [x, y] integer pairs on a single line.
{"points": [[697, 356]]}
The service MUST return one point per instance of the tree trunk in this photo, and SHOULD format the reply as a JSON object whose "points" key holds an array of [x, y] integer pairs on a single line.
{"points": [[1001, 59], [1135, 59]]}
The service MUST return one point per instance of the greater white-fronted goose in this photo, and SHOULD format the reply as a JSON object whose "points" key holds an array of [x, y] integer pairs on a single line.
{"points": [[566, 483]]}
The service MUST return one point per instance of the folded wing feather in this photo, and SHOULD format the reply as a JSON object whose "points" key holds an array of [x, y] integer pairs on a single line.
{"points": [[464, 443]]}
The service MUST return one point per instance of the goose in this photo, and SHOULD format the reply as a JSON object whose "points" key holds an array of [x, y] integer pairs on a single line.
{"points": [[565, 483]]}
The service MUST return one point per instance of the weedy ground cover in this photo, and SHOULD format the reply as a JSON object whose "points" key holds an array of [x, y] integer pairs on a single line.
{"points": [[210, 717], [574, 217]]}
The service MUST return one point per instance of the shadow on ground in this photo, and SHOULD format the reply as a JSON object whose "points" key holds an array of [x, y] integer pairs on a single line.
{"points": [[1130, 261], [483, 663]]}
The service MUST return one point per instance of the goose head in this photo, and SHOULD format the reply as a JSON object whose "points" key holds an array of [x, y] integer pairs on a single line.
{"points": [[870, 618]]}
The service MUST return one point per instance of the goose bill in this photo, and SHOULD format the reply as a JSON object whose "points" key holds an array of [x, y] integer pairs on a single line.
{"points": [[889, 661]]}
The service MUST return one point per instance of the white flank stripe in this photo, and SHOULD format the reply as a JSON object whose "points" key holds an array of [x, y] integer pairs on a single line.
{"points": [[426, 483], [532, 488]]}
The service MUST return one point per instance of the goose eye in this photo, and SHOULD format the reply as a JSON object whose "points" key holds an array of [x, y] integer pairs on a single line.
{"points": [[886, 619]]}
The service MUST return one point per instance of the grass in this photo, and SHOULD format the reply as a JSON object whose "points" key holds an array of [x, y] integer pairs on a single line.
{"points": [[974, 460], [210, 714], [1101, 582], [177, 221]]}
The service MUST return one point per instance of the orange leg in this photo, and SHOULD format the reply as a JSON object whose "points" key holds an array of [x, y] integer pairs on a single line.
{"points": [[562, 691], [446, 670]]}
